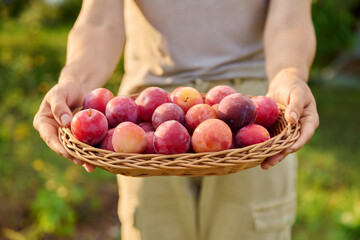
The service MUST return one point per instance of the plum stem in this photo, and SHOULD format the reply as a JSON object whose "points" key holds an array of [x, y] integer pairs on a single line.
{"points": [[89, 112]]}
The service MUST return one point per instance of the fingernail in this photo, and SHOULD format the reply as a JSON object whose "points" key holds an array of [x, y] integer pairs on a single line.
{"points": [[294, 115], [65, 119]]}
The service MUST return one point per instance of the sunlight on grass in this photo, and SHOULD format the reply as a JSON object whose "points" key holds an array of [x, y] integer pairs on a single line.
{"points": [[328, 186]]}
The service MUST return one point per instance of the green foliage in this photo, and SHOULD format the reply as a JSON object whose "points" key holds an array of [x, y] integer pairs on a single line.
{"points": [[12, 8], [69, 10], [43, 194], [335, 23], [329, 206], [53, 215], [65, 12], [46, 12], [53, 206]]}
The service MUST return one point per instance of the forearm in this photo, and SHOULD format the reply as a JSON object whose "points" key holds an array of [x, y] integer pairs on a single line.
{"points": [[95, 45], [289, 41]]}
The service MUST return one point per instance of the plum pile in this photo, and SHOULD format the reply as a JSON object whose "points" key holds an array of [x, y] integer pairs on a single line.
{"points": [[179, 122]]}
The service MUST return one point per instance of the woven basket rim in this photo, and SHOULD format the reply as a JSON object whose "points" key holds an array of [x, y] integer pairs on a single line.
{"points": [[184, 164], [88, 147]]}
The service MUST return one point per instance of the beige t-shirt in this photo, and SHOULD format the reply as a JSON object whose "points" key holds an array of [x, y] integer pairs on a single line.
{"points": [[170, 41]]}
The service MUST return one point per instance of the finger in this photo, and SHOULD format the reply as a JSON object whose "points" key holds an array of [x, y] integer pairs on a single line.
{"points": [[308, 126], [265, 165], [88, 167], [277, 158], [77, 161], [59, 108], [48, 133], [295, 107], [272, 161]]}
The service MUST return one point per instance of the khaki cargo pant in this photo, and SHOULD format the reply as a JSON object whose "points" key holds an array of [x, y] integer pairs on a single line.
{"points": [[250, 205]]}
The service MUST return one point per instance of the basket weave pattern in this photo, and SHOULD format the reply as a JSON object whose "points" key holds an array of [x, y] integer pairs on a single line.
{"points": [[282, 134]]}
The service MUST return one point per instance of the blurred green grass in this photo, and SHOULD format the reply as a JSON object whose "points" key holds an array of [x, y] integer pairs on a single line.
{"points": [[329, 180], [44, 196], [41, 193]]}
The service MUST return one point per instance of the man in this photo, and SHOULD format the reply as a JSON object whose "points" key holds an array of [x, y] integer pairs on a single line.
{"points": [[201, 44]]}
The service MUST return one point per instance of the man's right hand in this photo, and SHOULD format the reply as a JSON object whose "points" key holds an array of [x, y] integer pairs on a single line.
{"points": [[94, 46], [55, 111]]}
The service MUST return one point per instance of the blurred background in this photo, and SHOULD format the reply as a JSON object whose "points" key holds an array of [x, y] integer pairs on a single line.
{"points": [[43, 196]]}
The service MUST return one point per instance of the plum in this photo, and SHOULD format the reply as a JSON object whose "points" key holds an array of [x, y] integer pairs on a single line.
{"points": [[147, 126], [172, 94], [106, 143], [129, 138], [149, 99], [171, 137], [197, 114], [267, 111], [212, 135], [186, 97], [89, 126], [97, 99], [166, 112], [237, 110], [150, 142], [216, 94], [251, 134], [216, 106], [121, 109]]}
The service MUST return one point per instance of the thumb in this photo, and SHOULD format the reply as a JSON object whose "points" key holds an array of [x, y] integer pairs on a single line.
{"points": [[295, 107], [60, 109]]}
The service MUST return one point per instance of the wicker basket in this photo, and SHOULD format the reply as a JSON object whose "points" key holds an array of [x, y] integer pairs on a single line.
{"points": [[282, 134]]}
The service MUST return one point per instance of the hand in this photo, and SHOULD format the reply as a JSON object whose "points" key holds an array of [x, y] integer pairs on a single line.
{"points": [[289, 89], [55, 111]]}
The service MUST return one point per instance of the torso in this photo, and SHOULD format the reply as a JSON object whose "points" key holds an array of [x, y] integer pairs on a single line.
{"points": [[178, 41]]}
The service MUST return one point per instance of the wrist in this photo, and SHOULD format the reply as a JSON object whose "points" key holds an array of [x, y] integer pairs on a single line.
{"points": [[71, 82], [85, 81], [288, 78], [290, 73]]}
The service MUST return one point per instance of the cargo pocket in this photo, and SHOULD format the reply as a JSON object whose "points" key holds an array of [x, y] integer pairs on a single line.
{"points": [[275, 215]]}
